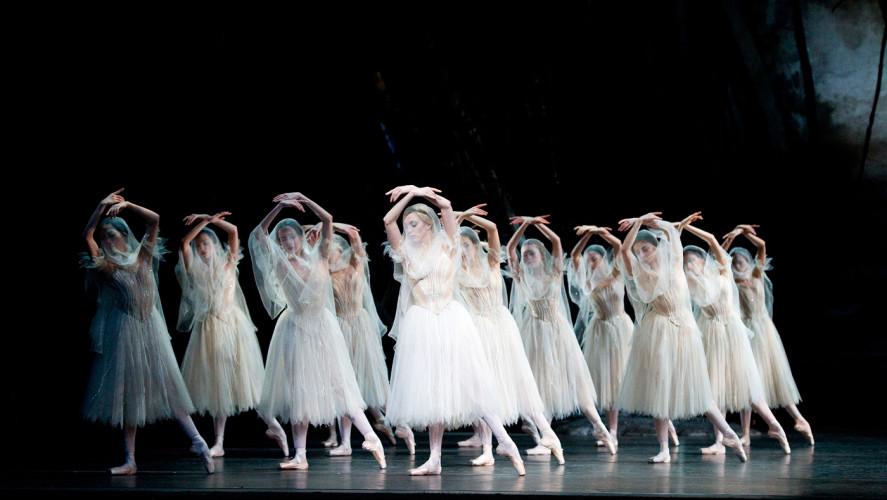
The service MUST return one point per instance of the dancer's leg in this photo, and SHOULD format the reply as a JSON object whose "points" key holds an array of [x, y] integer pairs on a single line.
{"points": [[486, 438], [381, 426], [600, 430], [776, 431], [801, 424], [475, 441], [276, 432], [506, 447], [371, 442], [331, 441], [129, 446], [673, 434], [730, 440], [344, 448], [718, 447], [435, 440], [664, 455], [219, 425], [300, 437], [198, 445], [745, 418], [406, 434], [549, 439]]}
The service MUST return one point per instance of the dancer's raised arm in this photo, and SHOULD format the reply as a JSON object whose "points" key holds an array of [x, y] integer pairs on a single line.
{"points": [[326, 220], [473, 215], [89, 232], [511, 247], [152, 220], [409, 192], [635, 225], [204, 220], [557, 250], [576, 254], [720, 254]]}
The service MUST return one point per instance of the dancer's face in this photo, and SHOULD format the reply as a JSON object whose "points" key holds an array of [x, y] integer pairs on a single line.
{"points": [[692, 263], [740, 265], [531, 256], [593, 259], [469, 250], [289, 239], [112, 239], [417, 230], [205, 246], [645, 252]]}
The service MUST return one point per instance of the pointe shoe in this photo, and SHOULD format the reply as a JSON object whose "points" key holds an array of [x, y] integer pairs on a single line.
{"points": [[339, 451], [663, 457], [299, 462], [217, 450], [804, 428], [406, 434], [383, 429], [604, 437], [715, 449], [485, 459], [510, 450], [375, 447], [539, 450], [783, 441], [201, 449], [673, 435], [554, 444], [473, 442], [280, 437], [127, 469], [745, 440], [330, 443], [736, 446], [429, 468]]}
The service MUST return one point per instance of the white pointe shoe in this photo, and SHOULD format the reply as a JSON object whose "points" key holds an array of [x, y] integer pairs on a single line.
{"points": [[332, 442], [715, 449], [384, 430], [804, 428], [279, 436], [406, 434], [604, 436], [473, 442], [782, 439], [663, 457], [429, 468], [217, 450], [201, 449], [553, 444], [299, 462], [736, 445], [127, 469], [510, 450], [673, 434], [539, 450], [486, 458], [745, 440], [375, 446], [339, 451]]}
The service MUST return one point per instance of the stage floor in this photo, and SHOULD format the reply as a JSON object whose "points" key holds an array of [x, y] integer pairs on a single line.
{"points": [[840, 465]]}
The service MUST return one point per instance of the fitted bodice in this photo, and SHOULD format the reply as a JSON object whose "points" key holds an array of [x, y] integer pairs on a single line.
{"points": [[348, 286], [752, 301], [133, 288]]}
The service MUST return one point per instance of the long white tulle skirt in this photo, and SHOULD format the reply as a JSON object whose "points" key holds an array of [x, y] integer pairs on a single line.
{"points": [[666, 375], [440, 374], [558, 366], [308, 373], [367, 358], [501, 341], [136, 379], [732, 371], [223, 367], [605, 346], [776, 375]]}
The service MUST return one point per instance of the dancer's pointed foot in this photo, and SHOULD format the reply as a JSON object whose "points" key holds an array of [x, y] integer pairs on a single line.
{"points": [[486, 458], [779, 435], [384, 430], [374, 445], [715, 449], [406, 434], [733, 443], [279, 436], [429, 468], [745, 440], [330, 443], [550, 441], [299, 462], [804, 428], [509, 449], [673, 434], [201, 449], [528, 428], [663, 457], [342, 450], [217, 450], [127, 469], [539, 450], [604, 436], [473, 442]]}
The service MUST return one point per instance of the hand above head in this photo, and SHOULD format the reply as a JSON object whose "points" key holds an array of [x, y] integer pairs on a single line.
{"points": [[695, 216], [399, 191], [113, 198], [427, 192], [291, 203], [116, 208], [191, 219], [625, 224], [476, 210], [351, 231], [747, 228], [580, 230], [219, 216]]}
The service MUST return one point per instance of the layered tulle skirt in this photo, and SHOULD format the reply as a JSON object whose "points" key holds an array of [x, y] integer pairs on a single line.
{"points": [[223, 367], [666, 375], [367, 358], [605, 346], [776, 375], [440, 373], [308, 373], [505, 353], [135, 380], [732, 371], [558, 366]]}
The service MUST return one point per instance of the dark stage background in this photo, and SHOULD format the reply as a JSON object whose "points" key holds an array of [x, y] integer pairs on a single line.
{"points": [[590, 112]]}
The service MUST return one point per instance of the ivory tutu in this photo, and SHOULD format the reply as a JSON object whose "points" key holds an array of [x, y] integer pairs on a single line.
{"points": [[776, 375], [606, 343], [367, 358], [732, 371]]}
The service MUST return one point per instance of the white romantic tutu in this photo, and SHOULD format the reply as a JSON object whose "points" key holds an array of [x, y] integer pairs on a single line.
{"points": [[223, 364], [732, 371], [504, 350], [367, 358], [136, 379], [308, 374], [776, 375], [440, 373], [605, 346], [666, 375], [559, 368]]}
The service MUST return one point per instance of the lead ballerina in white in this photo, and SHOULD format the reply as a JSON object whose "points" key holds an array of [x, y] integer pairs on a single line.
{"points": [[223, 367], [135, 379], [735, 382], [308, 374], [666, 376], [440, 377], [483, 292], [539, 305], [756, 303], [603, 327]]}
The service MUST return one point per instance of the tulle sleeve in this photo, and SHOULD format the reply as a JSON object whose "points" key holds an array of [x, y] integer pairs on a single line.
{"points": [[368, 303], [267, 257], [577, 282], [768, 285], [189, 300], [398, 257]]}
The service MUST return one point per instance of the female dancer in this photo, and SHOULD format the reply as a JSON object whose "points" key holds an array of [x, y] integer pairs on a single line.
{"points": [[735, 382], [539, 304], [135, 379], [483, 292], [308, 376], [602, 327], [666, 375], [756, 301], [440, 377], [223, 363]]}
